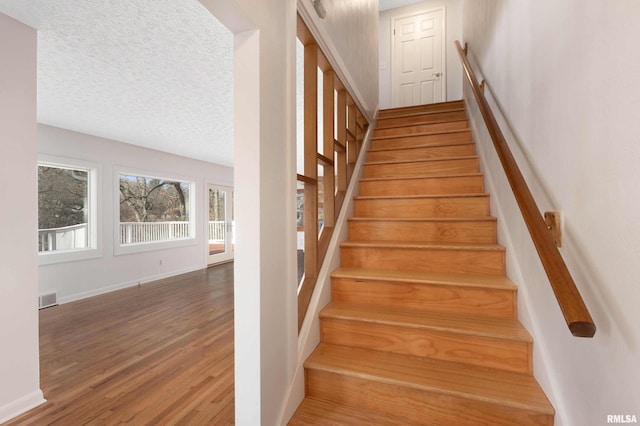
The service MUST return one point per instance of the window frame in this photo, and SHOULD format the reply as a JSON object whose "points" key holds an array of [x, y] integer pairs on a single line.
{"points": [[94, 243], [120, 249]]}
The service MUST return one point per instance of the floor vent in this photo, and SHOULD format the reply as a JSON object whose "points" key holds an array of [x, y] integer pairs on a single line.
{"points": [[47, 300]]}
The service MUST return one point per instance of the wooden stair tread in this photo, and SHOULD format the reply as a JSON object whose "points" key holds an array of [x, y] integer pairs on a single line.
{"points": [[417, 113], [426, 107], [376, 179], [401, 126], [473, 325], [423, 219], [435, 145], [417, 135], [422, 327], [416, 129], [313, 411], [425, 245], [385, 126], [414, 197], [421, 160], [426, 277], [515, 390]]}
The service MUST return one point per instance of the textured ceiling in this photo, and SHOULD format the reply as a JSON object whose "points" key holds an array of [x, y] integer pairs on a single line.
{"points": [[155, 73]]}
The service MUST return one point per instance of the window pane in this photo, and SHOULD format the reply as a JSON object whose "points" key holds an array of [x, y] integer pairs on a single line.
{"points": [[217, 221], [63, 209], [335, 114], [300, 107], [320, 141], [300, 225], [336, 170], [320, 198], [153, 209]]}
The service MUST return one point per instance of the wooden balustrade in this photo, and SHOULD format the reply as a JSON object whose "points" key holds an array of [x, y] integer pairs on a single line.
{"points": [[573, 307], [329, 159]]}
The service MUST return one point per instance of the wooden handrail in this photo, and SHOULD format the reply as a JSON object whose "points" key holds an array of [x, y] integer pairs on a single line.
{"points": [[573, 308]]}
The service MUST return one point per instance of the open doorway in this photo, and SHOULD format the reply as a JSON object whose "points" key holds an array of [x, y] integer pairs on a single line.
{"points": [[220, 225]]}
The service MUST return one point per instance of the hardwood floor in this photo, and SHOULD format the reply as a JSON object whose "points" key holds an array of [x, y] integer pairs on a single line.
{"points": [[161, 353]]}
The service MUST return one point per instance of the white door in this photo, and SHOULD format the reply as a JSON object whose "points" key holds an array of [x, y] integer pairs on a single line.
{"points": [[220, 224], [418, 59]]}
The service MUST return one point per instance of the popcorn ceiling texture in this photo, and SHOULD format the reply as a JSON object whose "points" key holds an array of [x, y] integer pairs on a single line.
{"points": [[154, 73]]}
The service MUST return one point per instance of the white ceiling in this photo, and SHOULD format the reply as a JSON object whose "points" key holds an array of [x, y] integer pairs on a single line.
{"points": [[154, 73], [392, 4]]}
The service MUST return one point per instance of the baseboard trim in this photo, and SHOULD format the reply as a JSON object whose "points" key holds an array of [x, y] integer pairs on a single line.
{"points": [[126, 284], [21, 405]]}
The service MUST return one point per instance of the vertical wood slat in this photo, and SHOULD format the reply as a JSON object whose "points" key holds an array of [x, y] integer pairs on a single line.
{"points": [[352, 146], [310, 208], [328, 123], [342, 139], [339, 148]]}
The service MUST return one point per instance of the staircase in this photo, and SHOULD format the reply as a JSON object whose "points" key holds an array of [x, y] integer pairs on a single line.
{"points": [[422, 327]]}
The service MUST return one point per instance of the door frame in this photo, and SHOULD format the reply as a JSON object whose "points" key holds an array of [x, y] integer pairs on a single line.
{"points": [[443, 10], [228, 254]]}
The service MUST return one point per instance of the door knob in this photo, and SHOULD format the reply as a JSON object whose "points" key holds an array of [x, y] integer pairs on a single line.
{"points": [[437, 74]]}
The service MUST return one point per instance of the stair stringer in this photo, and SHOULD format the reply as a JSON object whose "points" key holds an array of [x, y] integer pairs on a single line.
{"points": [[309, 335], [510, 222]]}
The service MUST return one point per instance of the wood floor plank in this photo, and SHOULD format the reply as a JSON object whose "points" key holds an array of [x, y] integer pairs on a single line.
{"points": [[160, 353]]}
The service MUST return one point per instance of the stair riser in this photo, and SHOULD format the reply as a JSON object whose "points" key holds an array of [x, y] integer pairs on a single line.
{"points": [[435, 167], [444, 106], [413, 120], [501, 354], [423, 186], [469, 261], [429, 297], [428, 231], [429, 407], [422, 153], [421, 140], [423, 128], [423, 207]]}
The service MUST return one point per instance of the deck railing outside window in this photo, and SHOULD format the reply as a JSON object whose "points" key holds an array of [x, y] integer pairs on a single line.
{"points": [[75, 236]]}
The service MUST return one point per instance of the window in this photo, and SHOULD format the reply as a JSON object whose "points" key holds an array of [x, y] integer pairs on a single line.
{"points": [[154, 212], [67, 210]]}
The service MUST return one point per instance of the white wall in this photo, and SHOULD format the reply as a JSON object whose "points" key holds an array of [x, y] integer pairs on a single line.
{"points": [[564, 75], [265, 180], [453, 27], [19, 365], [349, 35], [78, 279], [264, 177]]}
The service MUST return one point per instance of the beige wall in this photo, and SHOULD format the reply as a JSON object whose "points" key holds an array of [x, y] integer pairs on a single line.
{"points": [[19, 364], [564, 75]]}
